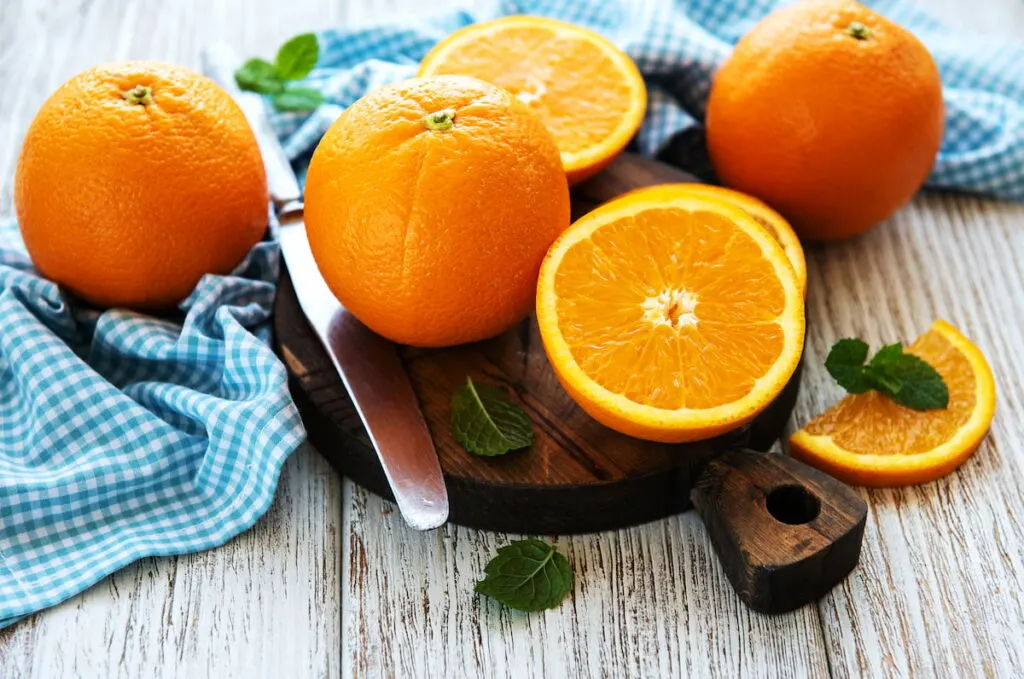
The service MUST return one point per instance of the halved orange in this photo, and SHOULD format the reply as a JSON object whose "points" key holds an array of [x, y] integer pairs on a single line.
{"points": [[868, 440], [762, 214], [673, 319], [587, 91]]}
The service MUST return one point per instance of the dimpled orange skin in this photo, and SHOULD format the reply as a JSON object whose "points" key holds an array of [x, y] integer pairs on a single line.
{"points": [[834, 132], [434, 237], [129, 204]]}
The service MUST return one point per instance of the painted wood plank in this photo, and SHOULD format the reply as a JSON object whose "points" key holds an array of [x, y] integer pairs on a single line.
{"points": [[647, 601], [938, 589], [937, 592], [265, 604]]}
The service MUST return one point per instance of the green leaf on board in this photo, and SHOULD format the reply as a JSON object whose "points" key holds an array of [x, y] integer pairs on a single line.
{"points": [[485, 422]]}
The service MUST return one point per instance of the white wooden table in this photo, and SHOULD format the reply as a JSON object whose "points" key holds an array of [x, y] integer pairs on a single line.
{"points": [[331, 583]]}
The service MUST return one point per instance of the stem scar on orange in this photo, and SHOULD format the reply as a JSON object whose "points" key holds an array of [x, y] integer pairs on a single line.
{"points": [[429, 206], [587, 91], [134, 180], [828, 112], [674, 318]]}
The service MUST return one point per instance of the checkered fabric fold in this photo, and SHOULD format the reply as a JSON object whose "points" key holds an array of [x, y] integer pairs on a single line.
{"points": [[124, 436], [678, 45]]}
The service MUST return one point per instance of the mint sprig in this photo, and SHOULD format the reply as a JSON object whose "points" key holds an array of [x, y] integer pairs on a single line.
{"points": [[527, 575], [905, 378], [294, 61], [485, 422]]}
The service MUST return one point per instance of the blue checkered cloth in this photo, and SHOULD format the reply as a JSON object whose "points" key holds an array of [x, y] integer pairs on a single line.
{"points": [[678, 46], [124, 436]]}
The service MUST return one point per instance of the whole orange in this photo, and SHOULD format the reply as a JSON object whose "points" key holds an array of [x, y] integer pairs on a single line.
{"points": [[134, 180], [828, 112], [430, 204]]}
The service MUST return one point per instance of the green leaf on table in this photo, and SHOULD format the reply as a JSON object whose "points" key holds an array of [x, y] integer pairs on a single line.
{"points": [[259, 75], [905, 378], [298, 99], [297, 57], [485, 422], [527, 575]]}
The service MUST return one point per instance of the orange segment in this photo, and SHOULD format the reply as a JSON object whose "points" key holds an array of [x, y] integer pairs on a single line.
{"points": [[587, 91], [670, 320], [762, 214], [869, 440]]}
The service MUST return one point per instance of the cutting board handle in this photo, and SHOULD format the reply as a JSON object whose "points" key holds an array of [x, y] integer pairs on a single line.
{"points": [[785, 533]]}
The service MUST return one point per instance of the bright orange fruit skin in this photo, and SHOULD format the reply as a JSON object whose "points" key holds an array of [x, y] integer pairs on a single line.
{"points": [[434, 237], [587, 91], [129, 204], [834, 132]]}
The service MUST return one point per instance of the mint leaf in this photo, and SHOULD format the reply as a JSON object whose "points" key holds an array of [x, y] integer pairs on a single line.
{"points": [[845, 363], [297, 57], [298, 99], [259, 75], [887, 355], [527, 575], [485, 422], [905, 378], [882, 380], [922, 385]]}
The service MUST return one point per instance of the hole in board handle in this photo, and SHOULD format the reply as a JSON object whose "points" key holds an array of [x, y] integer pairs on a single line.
{"points": [[793, 505]]}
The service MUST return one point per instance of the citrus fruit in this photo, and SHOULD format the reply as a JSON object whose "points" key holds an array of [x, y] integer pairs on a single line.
{"points": [[429, 206], [671, 319], [867, 439], [587, 91], [134, 180], [828, 112], [771, 220]]}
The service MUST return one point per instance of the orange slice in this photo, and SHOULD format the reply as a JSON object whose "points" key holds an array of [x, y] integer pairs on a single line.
{"points": [[762, 214], [587, 91], [868, 440], [673, 319]]}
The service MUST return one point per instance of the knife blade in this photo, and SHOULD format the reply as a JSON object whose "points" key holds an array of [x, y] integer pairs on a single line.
{"points": [[368, 364]]}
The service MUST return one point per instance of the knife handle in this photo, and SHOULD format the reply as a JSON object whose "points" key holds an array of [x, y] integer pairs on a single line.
{"points": [[219, 63]]}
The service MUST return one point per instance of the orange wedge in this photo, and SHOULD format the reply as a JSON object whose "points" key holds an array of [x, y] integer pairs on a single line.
{"points": [[673, 319], [762, 214], [587, 91], [868, 440]]}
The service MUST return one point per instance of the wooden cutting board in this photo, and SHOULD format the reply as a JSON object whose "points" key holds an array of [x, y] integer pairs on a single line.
{"points": [[580, 476]]}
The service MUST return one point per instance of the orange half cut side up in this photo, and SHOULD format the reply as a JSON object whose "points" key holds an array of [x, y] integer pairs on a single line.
{"points": [[674, 319]]}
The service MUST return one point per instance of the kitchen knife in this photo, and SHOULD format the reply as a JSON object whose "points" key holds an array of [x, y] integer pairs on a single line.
{"points": [[368, 364]]}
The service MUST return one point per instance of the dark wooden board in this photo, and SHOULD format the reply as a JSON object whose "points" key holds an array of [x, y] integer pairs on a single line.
{"points": [[578, 477], [785, 533]]}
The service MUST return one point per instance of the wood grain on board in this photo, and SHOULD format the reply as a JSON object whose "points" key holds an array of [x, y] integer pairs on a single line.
{"points": [[937, 591], [578, 476]]}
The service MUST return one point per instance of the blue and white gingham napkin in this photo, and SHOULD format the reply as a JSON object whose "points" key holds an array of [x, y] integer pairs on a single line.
{"points": [[124, 436], [678, 46]]}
